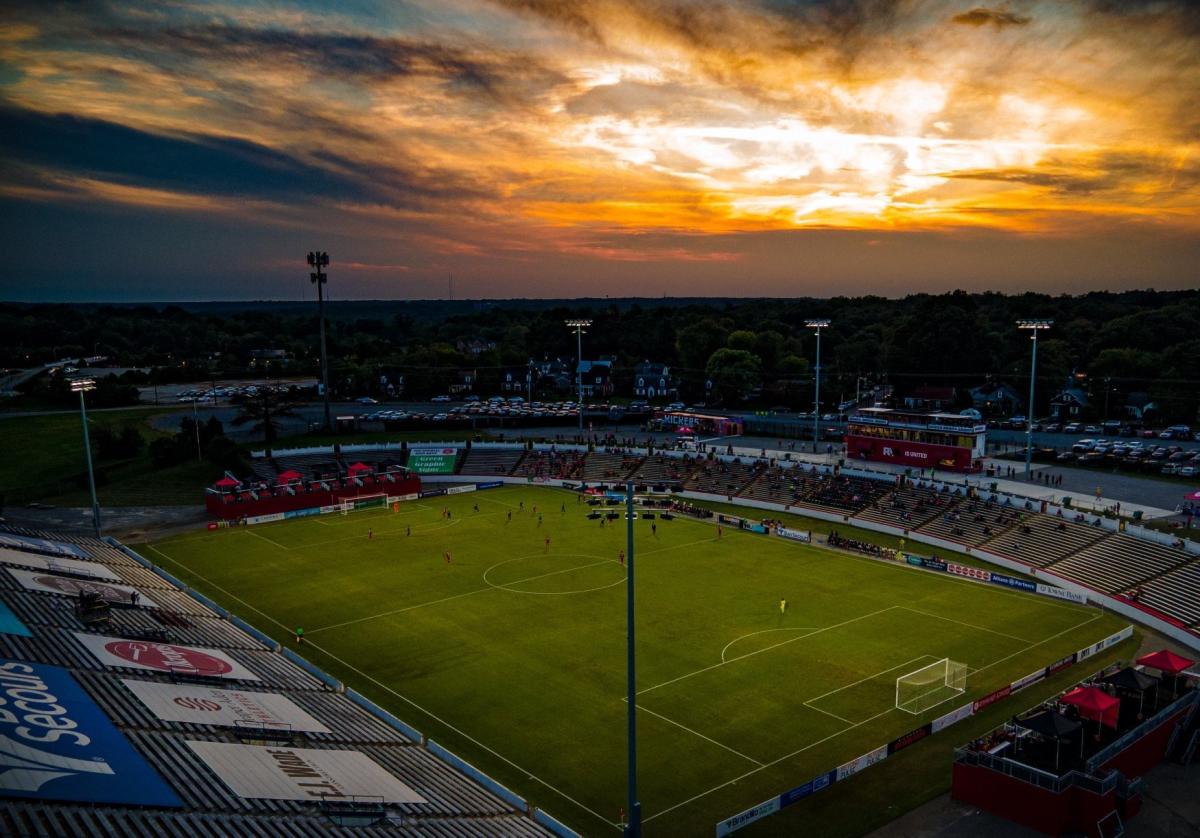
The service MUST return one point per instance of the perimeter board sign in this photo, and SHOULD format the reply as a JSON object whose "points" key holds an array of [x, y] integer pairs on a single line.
{"points": [[11, 624], [41, 545], [283, 773], [36, 562], [163, 657], [51, 584], [57, 744], [200, 704], [432, 460]]}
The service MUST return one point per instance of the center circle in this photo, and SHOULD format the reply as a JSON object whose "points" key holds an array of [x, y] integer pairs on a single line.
{"points": [[596, 562]]}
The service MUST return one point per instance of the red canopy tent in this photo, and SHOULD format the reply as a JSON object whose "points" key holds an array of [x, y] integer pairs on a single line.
{"points": [[1166, 661], [685, 431], [357, 468], [1095, 704], [226, 483], [289, 476], [1192, 496]]}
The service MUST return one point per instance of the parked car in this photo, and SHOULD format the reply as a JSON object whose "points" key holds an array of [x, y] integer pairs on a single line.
{"points": [[1052, 427], [440, 399], [1066, 457], [1092, 429], [366, 400], [1177, 432], [1083, 446], [1071, 428]]}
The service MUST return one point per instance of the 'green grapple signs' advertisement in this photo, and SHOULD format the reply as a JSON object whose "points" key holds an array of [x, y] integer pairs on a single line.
{"points": [[432, 460]]}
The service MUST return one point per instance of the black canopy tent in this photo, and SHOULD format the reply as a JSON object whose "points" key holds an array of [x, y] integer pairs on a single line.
{"points": [[1133, 682], [1051, 725]]}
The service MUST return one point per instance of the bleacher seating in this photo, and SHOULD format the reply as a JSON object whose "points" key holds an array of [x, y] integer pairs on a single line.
{"points": [[1176, 593], [455, 805], [550, 465], [718, 477], [660, 468], [972, 521], [1119, 563], [1043, 539], [604, 465], [909, 507], [490, 461]]}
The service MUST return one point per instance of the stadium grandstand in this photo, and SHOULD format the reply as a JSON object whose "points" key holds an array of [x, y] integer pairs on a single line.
{"points": [[187, 721]]}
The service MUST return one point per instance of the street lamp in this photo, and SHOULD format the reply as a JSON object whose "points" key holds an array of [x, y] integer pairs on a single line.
{"points": [[817, 326], [81, 386], [320, 259], [633, 829], [579, 326], [1034, 326]]}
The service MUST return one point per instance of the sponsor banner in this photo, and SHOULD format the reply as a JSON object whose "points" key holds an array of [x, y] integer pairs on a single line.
{"points": [[163, 657], [811, 787], [34, 562], [916, 561], [42, 545], [403, 498], [433, 493], [329, 510], [265, 519], [969, 572], [1060, 593], [432, 460], [48, 583], [1031, 678], [795, 535], [9, 624], [57, 744], [954, 716], [1059, 665], [1100, 646], [989, 700], [865, 761], [1012, 582], [934, 564], [458, 490], [910, 738], [201, 704], [302, 513], [748, 817], [283, 773]]}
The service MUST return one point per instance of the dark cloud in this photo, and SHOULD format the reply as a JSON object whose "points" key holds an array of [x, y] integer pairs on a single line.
{"points": [[999, 18], [1115, 172], [207, 165]]}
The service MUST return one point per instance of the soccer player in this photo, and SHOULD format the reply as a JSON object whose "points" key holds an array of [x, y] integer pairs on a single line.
{"points": [[539, 520], [720, 531], [476, 507], [370, 534], [654, 530], [408, 530], [509, 521], [783, 606], [299, 636], [547, 542], [563, 509], [447, 557], [522, 505], [621, 558]]}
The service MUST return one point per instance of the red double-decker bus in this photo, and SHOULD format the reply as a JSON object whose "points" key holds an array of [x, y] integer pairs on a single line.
{"points": [[916, 438]]}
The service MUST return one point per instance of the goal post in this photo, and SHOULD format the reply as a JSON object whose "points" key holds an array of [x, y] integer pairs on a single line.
{"points": [[931, 685], [349, 505]]}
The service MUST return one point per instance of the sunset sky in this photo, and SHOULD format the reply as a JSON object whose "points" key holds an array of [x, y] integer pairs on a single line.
{"points": [[191, 150]]}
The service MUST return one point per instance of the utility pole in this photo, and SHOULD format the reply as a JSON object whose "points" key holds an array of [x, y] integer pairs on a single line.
{"points": [[579, 326], [320, 259], [81, 386], [817, 326], [634, 828], [1034, 326]]}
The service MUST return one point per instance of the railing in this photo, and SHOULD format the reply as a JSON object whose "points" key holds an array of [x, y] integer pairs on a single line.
{"points": [[1036, 776]]}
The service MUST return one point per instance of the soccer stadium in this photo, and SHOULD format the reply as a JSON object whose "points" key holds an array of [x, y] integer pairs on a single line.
{"points": [[446, 649]]}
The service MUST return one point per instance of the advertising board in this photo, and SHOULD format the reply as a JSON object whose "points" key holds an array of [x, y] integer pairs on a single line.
{"points": [[202, 704], [163, 657], [67, 586], [37, 562], [432, 460]]}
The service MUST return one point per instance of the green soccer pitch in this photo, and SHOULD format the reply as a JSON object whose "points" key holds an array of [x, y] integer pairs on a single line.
{"points": [[512, 653]]}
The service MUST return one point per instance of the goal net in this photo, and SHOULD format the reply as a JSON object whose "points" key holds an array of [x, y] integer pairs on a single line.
{"points": [[930, 685], [364, 502]]}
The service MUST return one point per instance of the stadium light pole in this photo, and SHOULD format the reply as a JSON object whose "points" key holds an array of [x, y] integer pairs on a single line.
{"points": [[81, 386], [1034, 326], [633, 829], [817, 326], [320, 259], [579, 326]]}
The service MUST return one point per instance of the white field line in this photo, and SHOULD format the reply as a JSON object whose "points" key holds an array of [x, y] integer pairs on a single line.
{"points": [[490, 587], [968, 625], [405, 699], [799, 751], [264, 538], [696, 733], [763, 631], [767, 649], [827, 713], [868, 678]]}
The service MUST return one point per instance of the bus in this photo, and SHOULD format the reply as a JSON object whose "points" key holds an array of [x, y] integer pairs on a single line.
{"points": [[916, 438]]}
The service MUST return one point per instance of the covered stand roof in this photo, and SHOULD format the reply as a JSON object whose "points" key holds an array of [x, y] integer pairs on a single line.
{"points": [[226, 483], [1050, 724], [1094, 704], [289, 476], [1166, 661], [1130, 679], [358, 467]]}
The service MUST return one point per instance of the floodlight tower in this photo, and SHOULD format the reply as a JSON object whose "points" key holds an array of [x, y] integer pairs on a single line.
{"points": [[81, 386], [633, 828], [579, 326], [1034, 326], [817, 326], [316, 260]]}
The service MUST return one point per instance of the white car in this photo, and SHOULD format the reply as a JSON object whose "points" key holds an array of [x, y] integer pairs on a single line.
{"points": [[440, 399]]}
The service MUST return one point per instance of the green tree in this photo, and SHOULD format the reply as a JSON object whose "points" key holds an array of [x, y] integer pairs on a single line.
{"points": [[262, 412], [734, 373]]}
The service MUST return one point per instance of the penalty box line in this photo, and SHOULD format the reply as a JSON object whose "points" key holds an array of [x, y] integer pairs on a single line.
{"points": [[681, 726], [403, 698]]}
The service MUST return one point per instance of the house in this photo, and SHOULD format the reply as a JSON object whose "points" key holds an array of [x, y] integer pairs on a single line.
{"points": [[553, 375], [517, 379], [475, 347], [465, 382], [995, 399], [654, 381], [595, 378], [1070, 404], [930, 398], [1138, 406], [391, 383]]}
